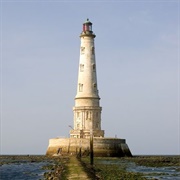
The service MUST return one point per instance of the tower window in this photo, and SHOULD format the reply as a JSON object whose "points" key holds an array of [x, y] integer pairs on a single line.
{"points": [[80, 87], [92, 50], [82, 50], [81, 67], [78, 114], [95, 86], [97, 114], [87, 114], [94, 67]]}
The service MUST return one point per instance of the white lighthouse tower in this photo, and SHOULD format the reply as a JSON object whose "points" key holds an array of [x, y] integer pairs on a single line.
{"points": [[87, 112]]}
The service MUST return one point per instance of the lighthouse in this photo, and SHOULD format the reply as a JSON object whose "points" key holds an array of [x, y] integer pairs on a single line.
{"points": [[87, 111]]}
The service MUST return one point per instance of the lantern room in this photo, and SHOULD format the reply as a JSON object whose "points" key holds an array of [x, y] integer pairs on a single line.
{"points": [[87, 26]]}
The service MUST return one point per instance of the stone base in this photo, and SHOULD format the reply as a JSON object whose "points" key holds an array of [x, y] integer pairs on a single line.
{"points": [[103, 147]]}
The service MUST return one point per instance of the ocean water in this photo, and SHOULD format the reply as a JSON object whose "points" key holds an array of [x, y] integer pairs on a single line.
{"points": [[22, 169], [161, 173]]}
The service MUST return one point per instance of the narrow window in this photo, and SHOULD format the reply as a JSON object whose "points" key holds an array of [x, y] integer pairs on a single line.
{"points": [[77, 114], [80, 87], [95, 86], [92, 50], [81, 67], [82, 50], [94, 67], [87, 114], [97, 114]]}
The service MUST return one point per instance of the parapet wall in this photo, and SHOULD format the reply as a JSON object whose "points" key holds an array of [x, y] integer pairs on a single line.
{"points": [[106, 147]]}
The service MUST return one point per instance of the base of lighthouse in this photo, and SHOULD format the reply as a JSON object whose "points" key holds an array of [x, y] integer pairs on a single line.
{"points": [[102, 147]]}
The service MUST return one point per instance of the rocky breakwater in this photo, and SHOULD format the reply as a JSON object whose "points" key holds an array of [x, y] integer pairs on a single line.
{"points": [[58, 169]]}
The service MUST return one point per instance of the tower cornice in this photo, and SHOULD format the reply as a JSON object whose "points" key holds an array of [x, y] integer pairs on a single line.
{"points": [[88, 34], [87, 98]]}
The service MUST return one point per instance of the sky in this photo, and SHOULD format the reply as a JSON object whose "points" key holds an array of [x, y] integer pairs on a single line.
{"points": [[138, 71]]}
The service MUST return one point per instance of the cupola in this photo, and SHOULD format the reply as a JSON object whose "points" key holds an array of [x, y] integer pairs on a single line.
{"points": [[87, 26]]}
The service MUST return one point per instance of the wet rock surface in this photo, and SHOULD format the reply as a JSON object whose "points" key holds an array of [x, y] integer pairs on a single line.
{"points": [[156, 161], [42, 167], [58, 170], [139, 167]]}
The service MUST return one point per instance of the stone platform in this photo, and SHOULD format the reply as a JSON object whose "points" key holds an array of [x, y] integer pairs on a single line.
{"points": [[102, 147]]}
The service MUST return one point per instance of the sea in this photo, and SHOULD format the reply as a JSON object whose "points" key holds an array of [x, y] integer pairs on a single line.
{"points": [[19, 167]]}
